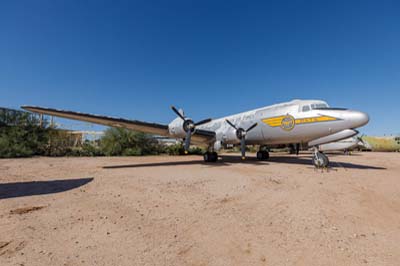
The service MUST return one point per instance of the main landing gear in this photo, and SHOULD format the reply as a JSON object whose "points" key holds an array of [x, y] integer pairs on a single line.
{"points": [[210, 156], [320, 160], [263, 154]]}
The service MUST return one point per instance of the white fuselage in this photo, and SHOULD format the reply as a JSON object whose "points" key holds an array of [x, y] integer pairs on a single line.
{"points": [[297, 121]]}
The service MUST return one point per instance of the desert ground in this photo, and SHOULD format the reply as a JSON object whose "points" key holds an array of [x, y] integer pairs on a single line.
{"points": [[178, 210]]}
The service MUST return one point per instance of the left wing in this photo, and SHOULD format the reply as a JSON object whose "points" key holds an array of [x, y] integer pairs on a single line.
{"points": [[199, 136]]}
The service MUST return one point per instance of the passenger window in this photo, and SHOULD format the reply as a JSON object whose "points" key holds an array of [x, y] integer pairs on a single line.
{"points": [[306, 108]]}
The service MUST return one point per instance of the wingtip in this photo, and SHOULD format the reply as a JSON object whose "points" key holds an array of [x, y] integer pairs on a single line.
{"points": [[25, 107], [29, 107]]}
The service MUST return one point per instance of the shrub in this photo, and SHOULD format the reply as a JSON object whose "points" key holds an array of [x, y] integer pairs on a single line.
{"points": [[119, 141], [22, 141], [177, 149]]}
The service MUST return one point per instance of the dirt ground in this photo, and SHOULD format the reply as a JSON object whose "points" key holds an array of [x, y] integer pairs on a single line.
{"points": [[180, 211]]}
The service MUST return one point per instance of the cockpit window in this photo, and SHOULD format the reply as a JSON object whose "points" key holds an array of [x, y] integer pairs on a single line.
{"points": [[306, 108], [318, 106]]}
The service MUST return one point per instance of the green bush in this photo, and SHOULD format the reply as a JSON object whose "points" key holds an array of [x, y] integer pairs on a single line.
{"points": [[177, 149], [22, 141], [119, 141], [88, 149], [91, 149]]}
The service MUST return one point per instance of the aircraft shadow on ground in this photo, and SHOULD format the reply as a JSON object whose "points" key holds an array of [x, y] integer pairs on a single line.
{"points": [[306, 160], [220, 162], [225, 160], [342, 154], [22, 189]]}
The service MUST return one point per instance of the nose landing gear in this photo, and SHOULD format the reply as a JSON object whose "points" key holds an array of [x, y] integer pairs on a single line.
{"points": [[320, 160]]}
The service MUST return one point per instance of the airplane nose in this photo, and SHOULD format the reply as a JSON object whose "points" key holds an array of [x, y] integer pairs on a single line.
{"points": [[359, 119]]}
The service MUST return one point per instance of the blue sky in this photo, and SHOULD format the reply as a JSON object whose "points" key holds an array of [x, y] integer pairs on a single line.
{"points": [[134, 59]]}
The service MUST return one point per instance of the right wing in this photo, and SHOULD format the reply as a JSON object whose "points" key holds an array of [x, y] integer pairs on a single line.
{"points": [[199, 137]]}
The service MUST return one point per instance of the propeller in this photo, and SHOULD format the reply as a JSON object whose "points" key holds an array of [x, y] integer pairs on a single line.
{"points": [[188, 126], [241, 135], [360, 138]]}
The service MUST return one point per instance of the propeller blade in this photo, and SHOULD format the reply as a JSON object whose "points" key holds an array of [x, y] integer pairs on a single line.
{"points": [[187, 140], [177, 112], [243, 148], [231, 124], [253, 126], [203, 122], [361, 140]]}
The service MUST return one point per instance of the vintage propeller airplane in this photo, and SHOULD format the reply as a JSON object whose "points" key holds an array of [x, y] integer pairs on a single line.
{"points": [[310, 123]]}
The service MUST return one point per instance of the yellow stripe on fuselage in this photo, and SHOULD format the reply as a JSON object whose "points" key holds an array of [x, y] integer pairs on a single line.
{"points": [[315, 119], [277, 121], [274, 121]]}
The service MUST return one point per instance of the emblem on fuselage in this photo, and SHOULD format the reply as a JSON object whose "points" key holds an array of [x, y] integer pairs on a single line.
{"points": [[288, 122]]}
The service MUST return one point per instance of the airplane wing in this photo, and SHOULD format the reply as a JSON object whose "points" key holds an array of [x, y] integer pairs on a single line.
{"points": [[199, 137]]}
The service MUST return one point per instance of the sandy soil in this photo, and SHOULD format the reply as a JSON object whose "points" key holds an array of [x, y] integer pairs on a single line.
{"points": [[180, 211]]}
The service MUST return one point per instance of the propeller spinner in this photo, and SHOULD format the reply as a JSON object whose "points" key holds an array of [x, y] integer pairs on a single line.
{"points": [[188, 126], [241, 135]]}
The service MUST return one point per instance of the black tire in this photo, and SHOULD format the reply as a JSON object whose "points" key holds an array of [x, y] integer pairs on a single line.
{"points": [[262, 155], [214, 156], [210, 157]]}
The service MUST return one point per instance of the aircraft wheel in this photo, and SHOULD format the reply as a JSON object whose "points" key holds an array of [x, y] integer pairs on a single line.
{"points": [[320, 160], [214, 156], [210, 157], [262, 155]]}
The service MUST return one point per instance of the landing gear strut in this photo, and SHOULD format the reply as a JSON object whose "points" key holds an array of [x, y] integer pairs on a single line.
{"points": [[210, 156], [320, 160]]}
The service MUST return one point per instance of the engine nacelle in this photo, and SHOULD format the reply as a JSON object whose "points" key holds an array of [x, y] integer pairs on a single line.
{"points": [[230, 137], [176, 129], [217, 145], [344, 134]]}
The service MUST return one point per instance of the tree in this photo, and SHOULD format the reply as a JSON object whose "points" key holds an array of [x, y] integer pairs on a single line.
{"points": [[21, 135]]}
